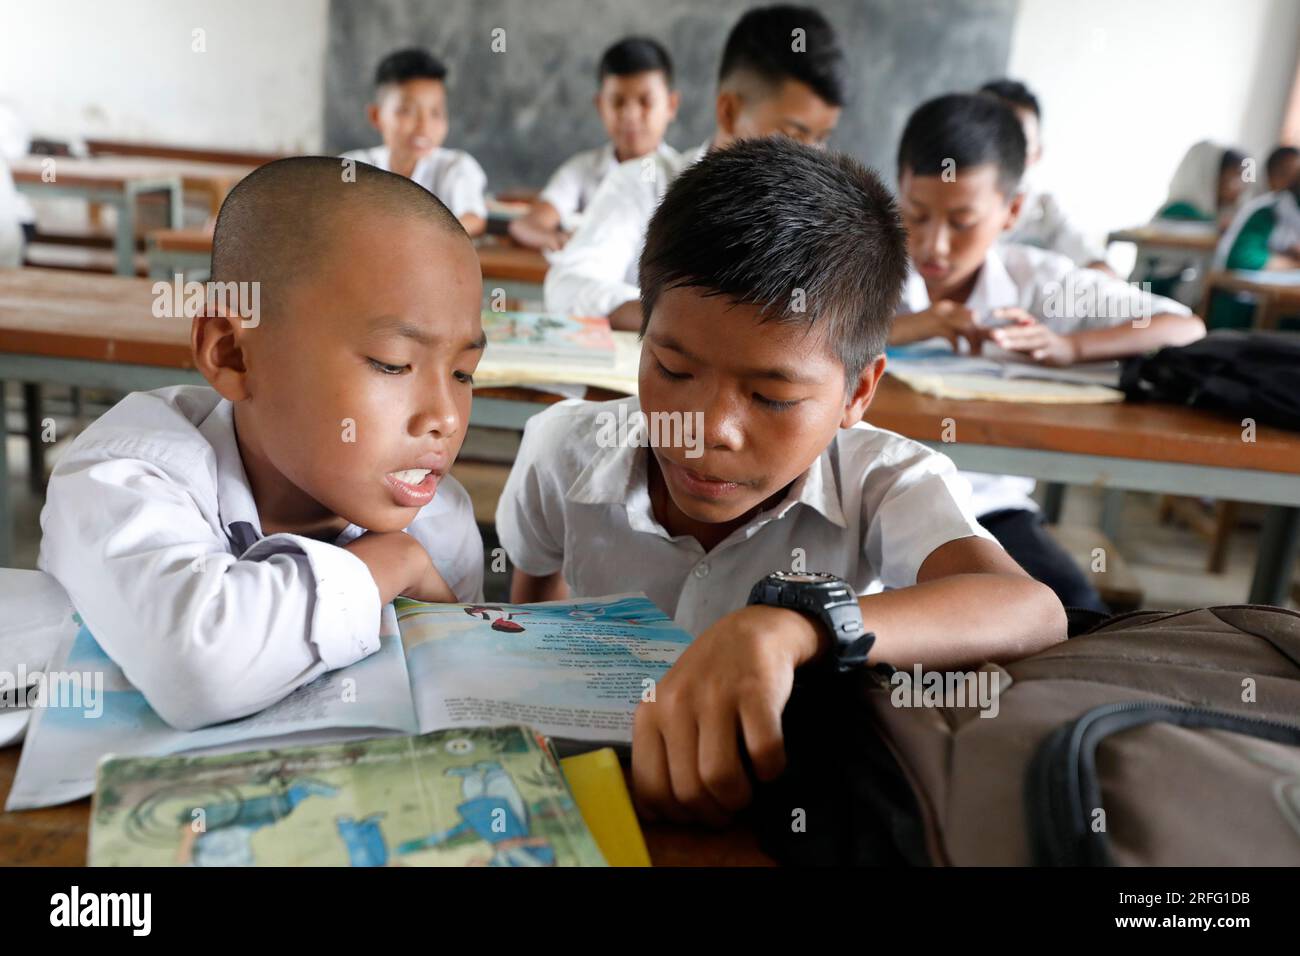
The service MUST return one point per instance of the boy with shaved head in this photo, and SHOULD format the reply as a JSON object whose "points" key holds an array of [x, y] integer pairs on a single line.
{"points": [[229, 543]]}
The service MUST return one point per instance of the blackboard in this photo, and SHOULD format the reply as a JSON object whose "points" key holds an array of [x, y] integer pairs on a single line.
{"points": [[523, 111]]}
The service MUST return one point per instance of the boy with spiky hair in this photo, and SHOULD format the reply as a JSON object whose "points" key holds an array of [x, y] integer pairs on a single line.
{"points": [[769, 280]]}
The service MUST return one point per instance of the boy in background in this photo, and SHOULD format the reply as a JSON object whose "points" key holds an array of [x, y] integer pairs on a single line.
{"points": [[1028, 303], [766, 87], [636, 101], [769, 278], [410, 112], [1042, 223], [229, 543]]}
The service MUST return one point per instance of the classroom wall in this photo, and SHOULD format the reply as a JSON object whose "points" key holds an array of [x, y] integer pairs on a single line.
{"points": [[522, 112], [1128, 85], [126, 69]]}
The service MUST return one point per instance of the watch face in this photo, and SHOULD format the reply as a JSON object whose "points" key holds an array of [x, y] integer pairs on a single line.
{"points": [[804, 577]]}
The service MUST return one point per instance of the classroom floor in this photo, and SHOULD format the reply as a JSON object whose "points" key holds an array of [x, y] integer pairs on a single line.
{"points": [[1167, 560]]}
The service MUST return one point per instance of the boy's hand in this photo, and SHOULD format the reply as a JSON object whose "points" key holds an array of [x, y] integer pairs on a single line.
{"points": [[727, 690], [944, 319], [1031, 338], [400, 565]]}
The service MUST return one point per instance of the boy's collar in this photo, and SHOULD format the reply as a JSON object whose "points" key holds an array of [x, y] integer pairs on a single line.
{"points": [[994, 287], [236, 508]]}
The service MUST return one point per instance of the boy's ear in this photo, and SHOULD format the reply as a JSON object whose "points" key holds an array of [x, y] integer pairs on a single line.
{"points": [[372, 114], [860, 398], [1013, 210], [674, 101], [217, 344], [727, 110]]}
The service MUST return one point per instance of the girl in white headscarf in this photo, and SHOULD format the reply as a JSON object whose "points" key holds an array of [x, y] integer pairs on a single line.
{"points": [[1207, 186]]}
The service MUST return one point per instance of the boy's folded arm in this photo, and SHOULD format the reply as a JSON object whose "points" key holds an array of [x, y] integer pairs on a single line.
{"points": [[971, 603], [206, 636], [1121, 341]]}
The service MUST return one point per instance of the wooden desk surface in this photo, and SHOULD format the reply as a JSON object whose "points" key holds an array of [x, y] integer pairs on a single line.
{"points": [[1146, 432], [114, 147], [501, 260], [56, 836], [115, 172], [497, 260], [109, 318], [1168, 238], [1286, 293]]}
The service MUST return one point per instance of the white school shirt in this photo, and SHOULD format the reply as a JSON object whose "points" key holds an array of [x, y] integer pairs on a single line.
{"points": [[573, 185], [453, 175], [596, 271], [871, 508], [1057, 293], [1045, 225], [150, 526]]}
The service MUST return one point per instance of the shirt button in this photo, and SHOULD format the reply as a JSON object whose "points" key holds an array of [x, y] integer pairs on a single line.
{"points": [[701, 570]]}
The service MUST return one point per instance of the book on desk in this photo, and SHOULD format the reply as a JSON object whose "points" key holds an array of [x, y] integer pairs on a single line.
{"points": [[573, 671]]}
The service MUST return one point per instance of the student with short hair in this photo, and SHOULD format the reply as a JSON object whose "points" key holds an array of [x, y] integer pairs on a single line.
{"points": [[1281, 168], [229, 543], [409, 110], [767, 85], [636, 101], [1026, 303], [769, 279], [1043, 222]]}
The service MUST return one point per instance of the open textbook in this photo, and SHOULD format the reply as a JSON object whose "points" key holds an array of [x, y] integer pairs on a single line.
{"points": [[573, 670], [486, 796], [1000, 376]]}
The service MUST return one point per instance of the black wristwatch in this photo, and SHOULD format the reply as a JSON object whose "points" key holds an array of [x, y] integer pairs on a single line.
{"points": [[828, 600]]}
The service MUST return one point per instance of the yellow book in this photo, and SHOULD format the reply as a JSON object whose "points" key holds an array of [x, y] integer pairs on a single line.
{"points": [[596, 780]]}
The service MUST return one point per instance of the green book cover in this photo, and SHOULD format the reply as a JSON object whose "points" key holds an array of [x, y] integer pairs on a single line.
{"points": [[490, 796]]}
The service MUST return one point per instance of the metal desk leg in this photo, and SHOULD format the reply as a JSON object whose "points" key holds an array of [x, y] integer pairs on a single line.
{"points": [[124, 241], [1053, 501], [32, 394], [1112, 510], [6, 516], [1275, 562]]}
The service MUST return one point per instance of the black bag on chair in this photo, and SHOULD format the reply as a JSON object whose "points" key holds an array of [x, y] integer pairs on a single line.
{"points": [[1248, 374]]}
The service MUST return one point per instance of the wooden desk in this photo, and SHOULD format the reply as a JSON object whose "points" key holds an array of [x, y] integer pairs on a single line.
{"points": [[197, 154], [189, 252], [56, 836], [113, 183], [1134, 447], [518, 271], [1274, 299], [209, 180], [1172, 239], [99, 331]]}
